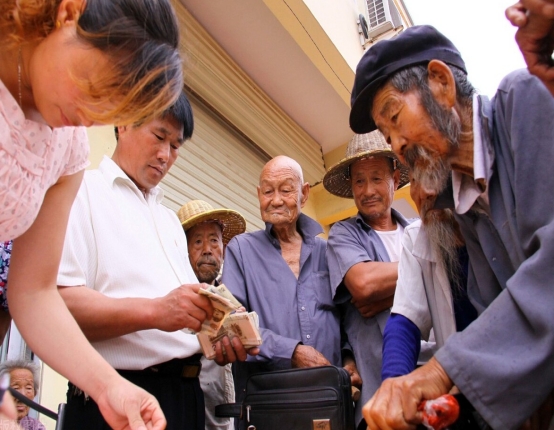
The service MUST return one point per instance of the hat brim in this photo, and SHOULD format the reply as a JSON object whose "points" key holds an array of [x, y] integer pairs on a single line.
{"points": [[231, 221], [337, 179]]}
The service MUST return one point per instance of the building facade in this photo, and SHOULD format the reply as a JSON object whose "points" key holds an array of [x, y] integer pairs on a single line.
{"points": [[265, 78]]}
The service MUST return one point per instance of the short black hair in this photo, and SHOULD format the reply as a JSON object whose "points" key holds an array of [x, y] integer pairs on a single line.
{"points": [[180, 111]]}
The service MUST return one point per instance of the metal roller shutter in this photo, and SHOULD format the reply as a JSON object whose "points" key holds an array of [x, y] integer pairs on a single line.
{"points": [[217, 165]]}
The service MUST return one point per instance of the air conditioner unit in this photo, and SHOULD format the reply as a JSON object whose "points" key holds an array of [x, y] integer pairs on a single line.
{"points": [[382, 16]]}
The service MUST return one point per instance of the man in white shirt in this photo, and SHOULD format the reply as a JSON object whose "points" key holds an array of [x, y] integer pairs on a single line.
{"points": [[126, 278]]}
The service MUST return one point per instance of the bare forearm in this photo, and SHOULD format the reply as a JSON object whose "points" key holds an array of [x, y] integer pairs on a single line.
{"points": [[48, 327], [37, 308], [374, 281], [101, 317], [370, 308]]}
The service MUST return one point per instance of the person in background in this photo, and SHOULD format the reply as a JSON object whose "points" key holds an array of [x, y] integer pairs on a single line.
{"points": [[208, 231], [431, 292], [363, 251], [535, 36], [281, 274], [65, 64], [24, 378]]}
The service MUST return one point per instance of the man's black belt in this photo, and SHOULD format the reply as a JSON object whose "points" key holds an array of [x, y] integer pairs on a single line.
{"points": [[186, 368], [178, 367]]}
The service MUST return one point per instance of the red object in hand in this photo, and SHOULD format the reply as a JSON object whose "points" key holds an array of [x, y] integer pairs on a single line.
{"points": [[439, 413]]}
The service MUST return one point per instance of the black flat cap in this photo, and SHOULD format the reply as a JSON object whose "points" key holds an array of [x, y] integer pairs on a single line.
{"points": [[415, 45]]}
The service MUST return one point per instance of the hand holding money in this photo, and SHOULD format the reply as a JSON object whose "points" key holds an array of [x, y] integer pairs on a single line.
{"points": [[222, 307], [241, 325]]}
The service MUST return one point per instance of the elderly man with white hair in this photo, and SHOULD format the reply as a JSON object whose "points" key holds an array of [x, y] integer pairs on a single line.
{"points": [[281, 273]]}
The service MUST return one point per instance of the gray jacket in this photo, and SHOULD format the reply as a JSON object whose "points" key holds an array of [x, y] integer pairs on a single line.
{"points": [[504, 361]]}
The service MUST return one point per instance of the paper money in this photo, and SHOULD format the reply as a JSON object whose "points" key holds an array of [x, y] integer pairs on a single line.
{"points": [[240, 324], [222, 308], [224, 292], [244, 326]]}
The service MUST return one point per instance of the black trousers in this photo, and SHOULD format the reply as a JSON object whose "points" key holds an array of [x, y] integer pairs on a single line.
{"points": [[180, 397]]}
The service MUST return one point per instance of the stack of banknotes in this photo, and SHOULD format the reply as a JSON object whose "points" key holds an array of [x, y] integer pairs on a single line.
{"points": [[227, 320]]}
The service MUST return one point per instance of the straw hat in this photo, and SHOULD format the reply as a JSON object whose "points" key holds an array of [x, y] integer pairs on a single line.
{"points": [[337, 178], [197, 211]]}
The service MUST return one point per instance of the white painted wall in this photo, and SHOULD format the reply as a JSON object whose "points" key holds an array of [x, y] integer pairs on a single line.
{"points": [[338, 19]]}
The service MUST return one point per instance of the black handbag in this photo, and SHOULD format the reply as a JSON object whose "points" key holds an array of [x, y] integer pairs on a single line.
{"points": [[313, 398]]}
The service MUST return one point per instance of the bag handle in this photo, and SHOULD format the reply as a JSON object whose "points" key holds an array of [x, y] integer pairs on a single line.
{"points": [[228, 410]]}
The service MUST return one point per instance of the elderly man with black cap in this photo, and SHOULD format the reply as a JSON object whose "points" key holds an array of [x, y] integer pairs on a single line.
{"points": [[208, 231], [363, 251], [414, 89]]}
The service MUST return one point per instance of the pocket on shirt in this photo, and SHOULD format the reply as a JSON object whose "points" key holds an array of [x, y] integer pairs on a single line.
{"points": [[322, 289]]}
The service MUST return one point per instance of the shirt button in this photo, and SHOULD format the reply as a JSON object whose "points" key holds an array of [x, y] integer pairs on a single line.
{"points": [[307, 336], [493, 258], [303, 308]]}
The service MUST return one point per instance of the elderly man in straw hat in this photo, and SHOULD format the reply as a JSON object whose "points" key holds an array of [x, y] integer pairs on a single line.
{"points": [[208, 231], [414, 88], [281, 273], [363, 251]]}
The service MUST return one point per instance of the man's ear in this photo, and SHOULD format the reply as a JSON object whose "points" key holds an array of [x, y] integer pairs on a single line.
{"points": [[396, 177], [305, 194], [442, 83]]}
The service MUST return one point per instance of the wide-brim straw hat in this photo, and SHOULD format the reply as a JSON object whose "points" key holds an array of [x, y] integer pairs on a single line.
{"points": [[198, 211], [337, 179]]}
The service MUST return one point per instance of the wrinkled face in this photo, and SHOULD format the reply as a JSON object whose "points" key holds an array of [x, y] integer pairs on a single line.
{"points": [[281, 195], [405, 122], [57, 63], [146, 153], [415, 137], [373, 186], [205, 245], [22, 380]]}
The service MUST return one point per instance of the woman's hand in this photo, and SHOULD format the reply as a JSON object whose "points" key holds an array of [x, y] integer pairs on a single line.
{"points": [[127, 407]]}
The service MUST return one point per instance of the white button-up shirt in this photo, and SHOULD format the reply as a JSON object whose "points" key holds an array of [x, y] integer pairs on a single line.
{"points": [[124, 244], [467, 190]]}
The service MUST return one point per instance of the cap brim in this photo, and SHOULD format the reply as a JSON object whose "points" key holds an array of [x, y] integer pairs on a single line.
{"points": [[361, 121]]}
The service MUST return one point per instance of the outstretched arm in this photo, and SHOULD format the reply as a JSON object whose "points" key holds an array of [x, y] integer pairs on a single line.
{"points": [[50, 330], [102, 317]]}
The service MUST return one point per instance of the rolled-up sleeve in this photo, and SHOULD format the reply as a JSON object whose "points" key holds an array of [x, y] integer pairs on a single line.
{"points": [[79, 261], [343, 251]]}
